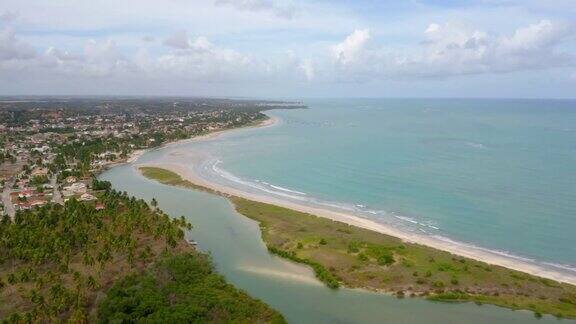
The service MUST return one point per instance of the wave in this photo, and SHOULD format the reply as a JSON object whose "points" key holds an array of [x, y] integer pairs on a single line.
{"points": [[287, 190], [476, 145], [454, 141], [571, 268], [407, 219], [568, 267], [230, 177], [361, 210]]}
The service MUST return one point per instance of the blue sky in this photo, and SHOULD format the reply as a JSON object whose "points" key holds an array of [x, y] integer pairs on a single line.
{"points": [[290, 48]]}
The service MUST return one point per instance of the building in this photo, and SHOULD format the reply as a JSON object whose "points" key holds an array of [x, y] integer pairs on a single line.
{"points": [[76, 188], [39, 172], [87, 197], [71, 179]]}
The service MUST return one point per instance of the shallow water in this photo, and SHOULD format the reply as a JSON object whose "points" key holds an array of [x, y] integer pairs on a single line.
{"points": [[238, 252], [499, 174]]}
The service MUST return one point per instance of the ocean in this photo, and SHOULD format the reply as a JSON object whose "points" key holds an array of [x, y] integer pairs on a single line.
{"points": [[497, 174]]}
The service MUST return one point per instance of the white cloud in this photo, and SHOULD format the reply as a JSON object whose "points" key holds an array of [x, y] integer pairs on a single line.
{"points": [[202, 60], [7, 17], [243, 42], [283, 11], [178, 40], [187, 59], [308, 68], [148, 39], [453, 49], [11, 48], [535, 37], [351, 48]]}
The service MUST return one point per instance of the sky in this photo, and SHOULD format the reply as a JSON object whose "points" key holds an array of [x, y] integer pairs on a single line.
{"points": [[289, 48]]}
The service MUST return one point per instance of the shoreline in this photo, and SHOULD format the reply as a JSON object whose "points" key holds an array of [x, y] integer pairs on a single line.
{"points": [[134, 156], [456, 248]]}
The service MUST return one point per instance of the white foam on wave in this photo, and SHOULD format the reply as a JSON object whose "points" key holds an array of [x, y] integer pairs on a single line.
{"points": [[476, 247], [287, 190], [406, 219], [571, 268], [358, 208], [230, 177], [337, 205], [476, 145]]}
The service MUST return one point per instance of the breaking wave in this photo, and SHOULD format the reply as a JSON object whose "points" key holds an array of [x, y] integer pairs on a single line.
{"points": [[411, 224]]}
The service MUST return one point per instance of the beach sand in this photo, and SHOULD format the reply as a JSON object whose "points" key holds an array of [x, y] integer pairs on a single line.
{"points": [[195, 156]]}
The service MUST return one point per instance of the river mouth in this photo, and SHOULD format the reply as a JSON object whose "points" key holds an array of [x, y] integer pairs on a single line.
{"points": [[198, 161], [239, 254]]}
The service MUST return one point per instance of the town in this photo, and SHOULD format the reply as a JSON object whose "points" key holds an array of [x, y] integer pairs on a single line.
{"points": [[51, 148]]}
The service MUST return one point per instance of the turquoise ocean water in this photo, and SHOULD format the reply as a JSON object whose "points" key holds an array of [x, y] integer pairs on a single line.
{"points": [[500, 174], [497, 174]]}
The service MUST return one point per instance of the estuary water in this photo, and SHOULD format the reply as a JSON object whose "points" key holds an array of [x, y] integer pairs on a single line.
{"points": [[239, 254]]}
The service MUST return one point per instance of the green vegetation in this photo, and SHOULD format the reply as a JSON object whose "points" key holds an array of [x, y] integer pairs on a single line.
{"points": [[58, 263], [170, 178], [355, 257], [182, 289]]}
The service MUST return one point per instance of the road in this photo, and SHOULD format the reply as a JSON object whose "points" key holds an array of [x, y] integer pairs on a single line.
{"points": [[56, 196], [8, 206]]}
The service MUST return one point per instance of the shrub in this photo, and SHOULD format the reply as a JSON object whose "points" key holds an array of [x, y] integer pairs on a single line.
{"points": [[321, 273], [362, 257], [385, 260], [438, 284], [353, 247]]}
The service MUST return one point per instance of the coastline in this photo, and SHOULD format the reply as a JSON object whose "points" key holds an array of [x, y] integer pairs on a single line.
{"points": [[134, 156], [455, 248]]}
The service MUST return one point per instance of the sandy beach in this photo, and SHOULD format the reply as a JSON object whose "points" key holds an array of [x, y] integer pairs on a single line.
{"points": [[135, 155], [186, 170]]}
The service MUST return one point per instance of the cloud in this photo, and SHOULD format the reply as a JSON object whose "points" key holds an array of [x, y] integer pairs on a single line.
{"points": [[187, 59], [200, 59], [178, 40], [308, 68], [349, 51], [148, 39], [282, 11], [11, 48], [453, 49], [311, 46], [7, 17]]}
